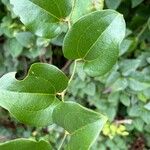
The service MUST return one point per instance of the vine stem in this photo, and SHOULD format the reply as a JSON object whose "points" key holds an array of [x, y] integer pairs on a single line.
{"points": [[126, 121], [74, 71], [62, 142], [63, 95], [71, 78], [142, 31]]}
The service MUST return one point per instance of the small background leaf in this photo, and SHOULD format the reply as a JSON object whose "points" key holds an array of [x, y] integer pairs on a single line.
{"points": [[136, 2], [113, 4]]}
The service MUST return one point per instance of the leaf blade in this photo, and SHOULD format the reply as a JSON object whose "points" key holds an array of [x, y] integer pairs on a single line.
{"points": [[43, 17], [87, 127], [34, 96], [95, 38]]}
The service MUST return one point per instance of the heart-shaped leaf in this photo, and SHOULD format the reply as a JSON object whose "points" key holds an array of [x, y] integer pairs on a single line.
{"points": [[32, 100], [25, 144], [82, 124], [95, 38]]}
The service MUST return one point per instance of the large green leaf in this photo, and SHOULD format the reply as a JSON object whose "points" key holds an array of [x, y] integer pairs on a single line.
{"points": [[43, 17], [46, 18], [32, 100], [24, 144], [95, 38], [82, 124]]}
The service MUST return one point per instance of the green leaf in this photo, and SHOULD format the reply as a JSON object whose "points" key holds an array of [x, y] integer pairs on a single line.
{"points": [[32, 100], [136, 2], [147, 128], [128, 66], [82, 8], [145, 115], [136, 85], [119, 85], [90, 89], [143, 58], [82, 124], [139, 81], [54, 12], [25, 144], [113, 4], [147, 106], [142, 97], [43, 17], [139, 124], [95, 38], [125, 46], [134, 111], [80, 71], [13, 47], [113, 77], [125, 99], [26, 39]]}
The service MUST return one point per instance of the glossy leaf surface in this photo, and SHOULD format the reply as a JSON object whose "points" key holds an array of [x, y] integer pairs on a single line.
{"points": [[82, 124], [46, 18], [42, 17], [32, 100], [95, 38]]}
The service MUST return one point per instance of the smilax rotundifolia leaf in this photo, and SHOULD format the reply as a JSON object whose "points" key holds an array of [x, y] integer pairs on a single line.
{"points": [[82, 124], [43, 17], [95, 38], [33, 99]]}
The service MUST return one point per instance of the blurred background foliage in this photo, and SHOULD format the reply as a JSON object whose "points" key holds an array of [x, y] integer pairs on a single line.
{"points": [[123, 94]]}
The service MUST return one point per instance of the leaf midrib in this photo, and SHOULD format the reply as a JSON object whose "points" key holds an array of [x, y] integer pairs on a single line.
{"points": [[83, 127], [45, 10], [83, 34], [99, 38]]}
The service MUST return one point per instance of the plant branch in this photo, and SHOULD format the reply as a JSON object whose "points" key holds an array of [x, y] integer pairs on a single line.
{"points": [[71, 78], [142, 31], [73, 72], [66, 65], [126, 121], [62, 142]]}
